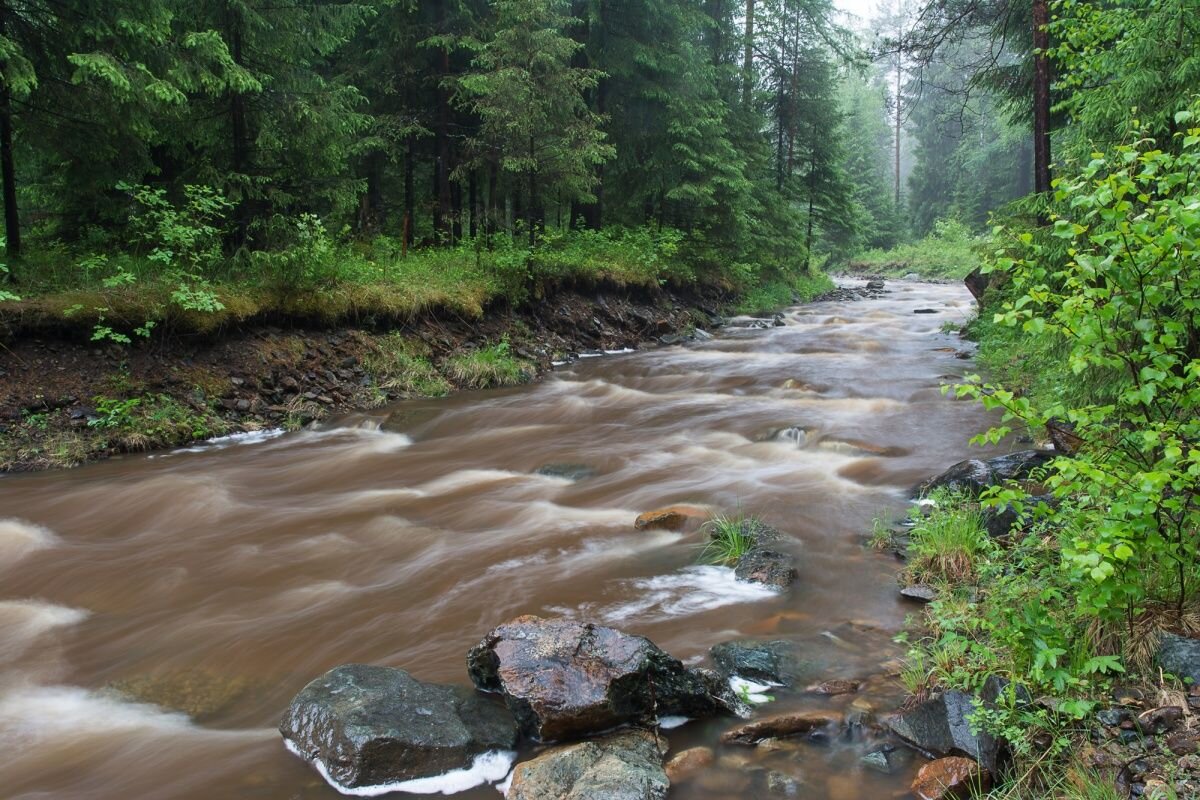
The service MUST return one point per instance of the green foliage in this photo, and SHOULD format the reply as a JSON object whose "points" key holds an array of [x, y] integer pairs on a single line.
{"points": [[949, 251], [1122, 301], [489, 366], [779, 293]]}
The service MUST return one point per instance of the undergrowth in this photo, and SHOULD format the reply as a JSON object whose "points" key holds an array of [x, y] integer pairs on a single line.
{"points": [[493, 365], [950, 251]]}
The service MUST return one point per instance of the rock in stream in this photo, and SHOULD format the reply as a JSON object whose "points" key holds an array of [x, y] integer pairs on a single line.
{"points": [[371, 726], [622, 766], [563, 679]]}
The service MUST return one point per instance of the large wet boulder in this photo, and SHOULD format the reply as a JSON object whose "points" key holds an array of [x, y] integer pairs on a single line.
{"points": [[780, 726], [764, 661], [367, 726], [621, 766], [940, 726], [564, 679], [974, 475], [1180, 656], [977, 284]]}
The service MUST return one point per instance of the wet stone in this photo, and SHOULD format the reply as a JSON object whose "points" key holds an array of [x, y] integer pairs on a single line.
{"points": [[919, 591], [794, 723], [953, 777], [768, 567], [621, 766], [1180, 656], [671, 518], [370, 725], [564, 679], [687, 763], [764, 661]]}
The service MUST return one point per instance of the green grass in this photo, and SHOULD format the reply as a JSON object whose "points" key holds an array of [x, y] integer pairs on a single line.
{"points": [[402, 365], [780, 293], [730, 538], [946, 541], [949, 252], [489, 366]]}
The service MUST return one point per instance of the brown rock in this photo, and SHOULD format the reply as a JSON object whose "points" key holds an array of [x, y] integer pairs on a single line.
{"points": [[1159, 720], [780, 725], [1183, 743], [837, 686], [687, 763], [952, 777], [563, 679], [671, 518]]}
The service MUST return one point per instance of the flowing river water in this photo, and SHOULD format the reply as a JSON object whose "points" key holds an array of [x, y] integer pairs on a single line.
{"points": [[158, 612]]}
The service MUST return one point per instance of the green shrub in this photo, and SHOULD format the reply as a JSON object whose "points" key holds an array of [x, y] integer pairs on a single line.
{"points": [[950, 251]]}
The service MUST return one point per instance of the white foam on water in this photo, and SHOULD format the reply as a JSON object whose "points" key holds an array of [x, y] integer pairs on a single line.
{"points": [[19, 538], [31, 714], [619, 352], [669, 722], [591, 355], [230, 440], [692, 590], [490, 767], [506, 784], [752, 691], [372, 438], [23, 621]]}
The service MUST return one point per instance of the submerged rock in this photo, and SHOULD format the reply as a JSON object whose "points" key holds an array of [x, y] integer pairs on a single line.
{"points": [[1180, 656], [953, 777], [621, 766], [779, 726], [766, 661], [368, 726], [571, 472], [687, 763], [563, 678]]}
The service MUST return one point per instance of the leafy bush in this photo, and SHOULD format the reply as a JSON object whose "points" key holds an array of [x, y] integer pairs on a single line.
{"points": [[1126, 303]]}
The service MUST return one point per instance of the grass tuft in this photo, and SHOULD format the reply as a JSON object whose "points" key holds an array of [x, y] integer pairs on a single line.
{"points": [[730, 538], [489, 366], [946, 542]]}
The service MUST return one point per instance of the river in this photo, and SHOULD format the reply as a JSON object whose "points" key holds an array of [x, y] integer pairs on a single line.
{"points": [[218, 580]]}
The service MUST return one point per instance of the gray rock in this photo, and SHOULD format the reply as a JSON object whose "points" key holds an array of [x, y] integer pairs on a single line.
{"points": [[977, 283], [974, 475], [372, 725], [572, 472], [563, 679], [874, 284], [702, 335], [621, 766], [1180, 656], [768, 567], [939, 726], [925, 311], [883, 760], [764, 661], [919, 591]]}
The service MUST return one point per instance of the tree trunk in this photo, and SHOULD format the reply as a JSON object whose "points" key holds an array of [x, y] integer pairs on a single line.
{"points": [[239, 147], [1041, 99], [441, 136], [748, 59], [812, 190], [12, 220], [473, 202], [899, 85], [410, 197]]}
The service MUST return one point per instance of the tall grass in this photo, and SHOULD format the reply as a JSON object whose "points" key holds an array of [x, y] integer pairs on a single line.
{"points": [[946, 541]]}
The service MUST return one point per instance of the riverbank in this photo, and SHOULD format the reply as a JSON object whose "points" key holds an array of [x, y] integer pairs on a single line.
{"points": [[66, 400]]}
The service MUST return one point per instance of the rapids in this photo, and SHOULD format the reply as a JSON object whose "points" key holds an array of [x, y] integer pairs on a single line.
{"points": [[157, 613]]}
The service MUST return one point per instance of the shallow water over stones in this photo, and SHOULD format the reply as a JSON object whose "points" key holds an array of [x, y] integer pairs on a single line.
{"points": [[158, 613]]}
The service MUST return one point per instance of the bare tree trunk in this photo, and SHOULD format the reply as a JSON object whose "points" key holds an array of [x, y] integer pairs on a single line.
{"points": [[410, 197], [1041, 99], [748, 59], [441, 135], [899, 85]]}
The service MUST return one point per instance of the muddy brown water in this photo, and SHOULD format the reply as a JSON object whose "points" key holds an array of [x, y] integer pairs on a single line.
{"points": [[158, 612]]}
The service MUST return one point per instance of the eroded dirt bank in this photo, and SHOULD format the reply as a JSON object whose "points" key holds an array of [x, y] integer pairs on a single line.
{"points": [[65, 400]]}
